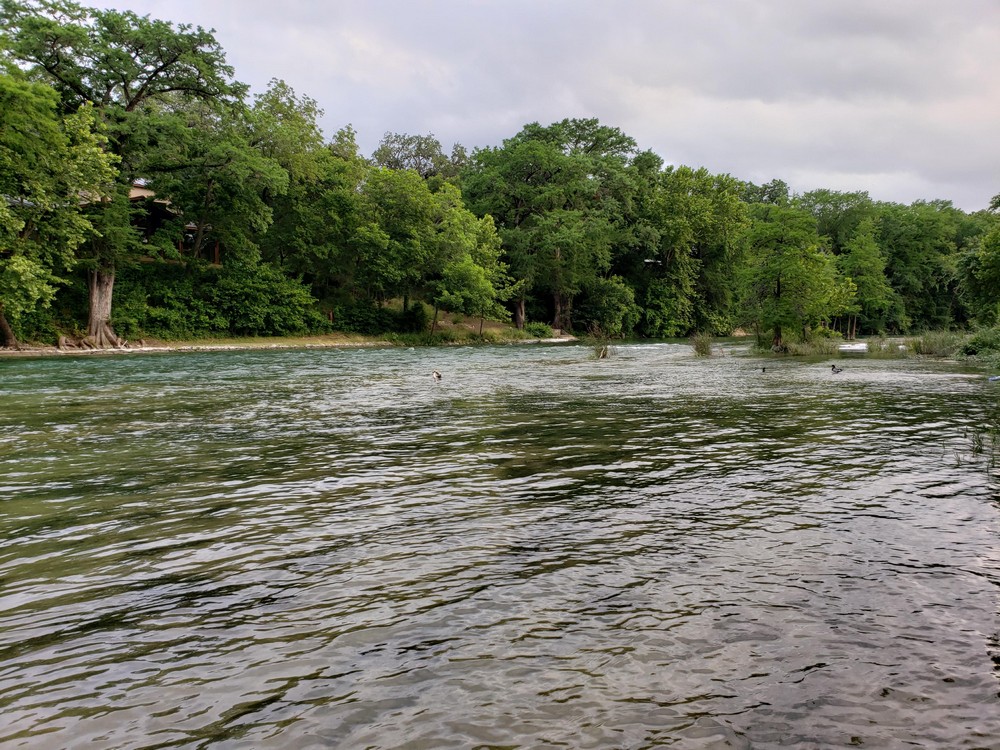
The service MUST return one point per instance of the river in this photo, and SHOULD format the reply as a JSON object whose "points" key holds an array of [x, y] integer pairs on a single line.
{"points": [[329, 549]]}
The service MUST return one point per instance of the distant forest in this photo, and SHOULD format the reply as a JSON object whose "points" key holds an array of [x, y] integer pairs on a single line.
{"points": [[143, 192]]}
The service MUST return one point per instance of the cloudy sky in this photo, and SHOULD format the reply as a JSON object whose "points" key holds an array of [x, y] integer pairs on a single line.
{"points": [[900, 98]]}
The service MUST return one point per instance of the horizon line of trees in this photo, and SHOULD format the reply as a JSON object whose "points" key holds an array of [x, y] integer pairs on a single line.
{"points": [[570, 223]]}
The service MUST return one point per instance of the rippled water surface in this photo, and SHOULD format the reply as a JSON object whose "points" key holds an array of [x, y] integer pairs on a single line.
{"points": [[327, 549]]}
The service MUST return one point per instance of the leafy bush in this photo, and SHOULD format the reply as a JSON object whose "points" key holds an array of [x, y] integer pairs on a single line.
{"points": [[364, 317], [936, 343], [539, 330], [822, 332], [174, 301], [607, 304], [702, 344], [986, 341], [414, 319], [880, 346]]}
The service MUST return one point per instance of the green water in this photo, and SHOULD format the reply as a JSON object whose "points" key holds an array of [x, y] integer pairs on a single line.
{"points": [[326, 548]]}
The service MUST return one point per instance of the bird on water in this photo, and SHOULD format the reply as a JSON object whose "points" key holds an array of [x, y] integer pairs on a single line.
{"points": [[834, 369], [436, 375]]}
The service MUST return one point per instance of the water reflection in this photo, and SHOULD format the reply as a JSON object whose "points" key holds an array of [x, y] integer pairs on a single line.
{"points": [[328, 549]]}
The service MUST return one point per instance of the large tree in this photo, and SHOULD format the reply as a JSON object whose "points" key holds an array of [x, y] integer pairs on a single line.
{"points": [[790, 281], [48, 163], [920, 243], [861, 260], [558, 195], [126, 65]]}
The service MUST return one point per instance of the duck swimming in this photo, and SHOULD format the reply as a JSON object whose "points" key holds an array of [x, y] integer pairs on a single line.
{"points": [[436, 375], [834, 369]]}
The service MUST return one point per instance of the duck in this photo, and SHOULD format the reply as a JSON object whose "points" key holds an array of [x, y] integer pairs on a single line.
{"points": [[436, 375], [834, 369]]}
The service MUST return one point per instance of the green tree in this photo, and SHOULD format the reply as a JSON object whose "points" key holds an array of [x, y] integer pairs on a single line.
{"points": [[393, 242], [420, 153], [124, 64], [693, 227], [47, 163], [920, 243], [316, 222], [558, 195], [464, 272], [862, 261], [979, 269], [790, 281], [221, 181], [838, 214]]}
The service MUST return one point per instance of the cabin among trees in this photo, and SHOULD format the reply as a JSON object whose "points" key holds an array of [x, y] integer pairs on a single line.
{"points": [[153, 215]]}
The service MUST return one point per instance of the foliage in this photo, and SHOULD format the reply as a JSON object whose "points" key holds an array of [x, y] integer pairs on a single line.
{"points": [[702, 344], [539, 330], [921, 242], [979, 270], [984, 342], [863, 263], [790, 281], [419, 153], [556, 194], [47, 161], [936, 343], [571, 223], [608, 304], [135, 70], [175, 301]]}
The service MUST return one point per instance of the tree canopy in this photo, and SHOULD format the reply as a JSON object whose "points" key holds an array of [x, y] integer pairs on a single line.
{"points": [[129, 151]]}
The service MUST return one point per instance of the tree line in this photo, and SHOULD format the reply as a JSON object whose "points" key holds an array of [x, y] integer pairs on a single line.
{"points": [[143, 191]]}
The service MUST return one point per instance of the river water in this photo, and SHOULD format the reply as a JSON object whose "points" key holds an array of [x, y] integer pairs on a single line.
{"points": [[329, 549]]}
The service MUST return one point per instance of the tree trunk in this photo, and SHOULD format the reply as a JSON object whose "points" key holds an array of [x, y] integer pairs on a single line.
{"points": [[99, 332], [519, 314], [435, 321], [482, 320], [560, 319], [9, 340], [776, 342]]}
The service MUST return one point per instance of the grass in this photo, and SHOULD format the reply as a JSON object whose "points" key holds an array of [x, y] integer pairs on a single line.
{"points": [[885, 348], [815, 346], [702, 343], [936, 343]]}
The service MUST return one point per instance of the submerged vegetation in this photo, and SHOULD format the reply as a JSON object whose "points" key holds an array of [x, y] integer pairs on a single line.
{"points": [[702, 344], [208, 213]]}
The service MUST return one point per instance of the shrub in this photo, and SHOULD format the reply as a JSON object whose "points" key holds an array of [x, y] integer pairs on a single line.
{"points": [[702, 344], [986, 341], [607, 304], [880, 346], [539, 330], [364, 317], [414, 319], [936, 343]]}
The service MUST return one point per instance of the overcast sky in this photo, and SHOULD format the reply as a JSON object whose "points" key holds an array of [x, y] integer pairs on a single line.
{"points": [[900, 98]]}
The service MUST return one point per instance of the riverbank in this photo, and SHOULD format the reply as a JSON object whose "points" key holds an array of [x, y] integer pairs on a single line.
{"points": [[321, 341]]}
